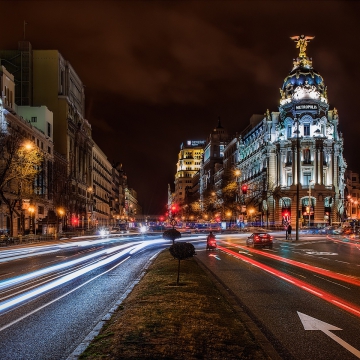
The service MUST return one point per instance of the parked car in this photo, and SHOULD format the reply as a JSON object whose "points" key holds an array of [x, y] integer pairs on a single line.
{"points": [[260, 239]]}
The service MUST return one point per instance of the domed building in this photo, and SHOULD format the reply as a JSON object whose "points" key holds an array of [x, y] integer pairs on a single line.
{"points": [[293, 159]]}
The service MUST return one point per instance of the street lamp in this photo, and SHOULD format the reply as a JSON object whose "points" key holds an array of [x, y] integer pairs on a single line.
{"points": [[89, 210], [61, 213], [297, 178], [32, 219]]}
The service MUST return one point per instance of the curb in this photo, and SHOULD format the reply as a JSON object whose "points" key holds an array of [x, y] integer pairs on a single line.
{"points": [[96, 330], [250, 325]]}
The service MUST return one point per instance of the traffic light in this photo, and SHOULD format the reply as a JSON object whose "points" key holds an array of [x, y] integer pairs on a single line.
{"points": [[74, 221], [174, 208], [244, 189]]}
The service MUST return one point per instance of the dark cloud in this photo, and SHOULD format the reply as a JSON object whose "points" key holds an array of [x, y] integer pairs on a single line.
{"points": [[160, 72]]}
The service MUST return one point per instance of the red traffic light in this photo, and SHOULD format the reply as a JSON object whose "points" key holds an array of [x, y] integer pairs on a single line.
{"points": [[244, 189], [174, 208]]}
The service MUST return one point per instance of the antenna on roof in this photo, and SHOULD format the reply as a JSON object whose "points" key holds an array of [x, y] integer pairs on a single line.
{"points": [[25, 23]]}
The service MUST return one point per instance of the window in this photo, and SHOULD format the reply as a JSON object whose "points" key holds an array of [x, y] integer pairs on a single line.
{"points": [[49, 150], [306, 154], [289, 180], [49, 129], [307, 178], [289, 131], [34, 119], [289, 157], [41, 210], [306, 129]]}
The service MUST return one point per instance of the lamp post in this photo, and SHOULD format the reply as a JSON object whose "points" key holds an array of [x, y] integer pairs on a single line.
{"points": [[310, 202], [32, 219], [297, 179], [89, 210], [61, 213]]}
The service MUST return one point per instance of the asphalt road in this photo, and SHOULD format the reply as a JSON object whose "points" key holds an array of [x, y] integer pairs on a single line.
{"points": [[52, 297], [293, 289]]}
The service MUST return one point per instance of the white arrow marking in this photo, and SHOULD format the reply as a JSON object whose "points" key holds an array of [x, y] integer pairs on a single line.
{"points": [[245, 252], [311, 323]]}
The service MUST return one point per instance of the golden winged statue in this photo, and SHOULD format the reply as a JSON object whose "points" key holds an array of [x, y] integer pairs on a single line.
{"points": [[301, 43]]}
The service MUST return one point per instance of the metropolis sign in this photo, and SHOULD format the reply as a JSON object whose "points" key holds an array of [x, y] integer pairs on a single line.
{"points": [[306, 107]]}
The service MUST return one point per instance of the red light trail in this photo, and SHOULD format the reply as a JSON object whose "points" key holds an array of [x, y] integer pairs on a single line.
{"points": [[328, 273], [351, 308]]}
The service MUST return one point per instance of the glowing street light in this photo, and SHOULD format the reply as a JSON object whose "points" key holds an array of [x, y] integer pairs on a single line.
{"points": [[31, 210]]}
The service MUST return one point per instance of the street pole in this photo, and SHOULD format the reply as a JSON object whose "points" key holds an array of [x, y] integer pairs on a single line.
{"points": [[297, 179], [310, 203]]}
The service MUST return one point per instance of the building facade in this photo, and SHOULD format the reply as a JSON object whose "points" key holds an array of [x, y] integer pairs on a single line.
{"points": [[188, 164], [292, 160], [32, 208]]}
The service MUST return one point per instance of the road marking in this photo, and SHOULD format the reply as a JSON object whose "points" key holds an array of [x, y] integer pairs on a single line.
{"points": [[332, 282], [245, 252], [344, 262], [321, 253], [215, 256], [311, 323]]}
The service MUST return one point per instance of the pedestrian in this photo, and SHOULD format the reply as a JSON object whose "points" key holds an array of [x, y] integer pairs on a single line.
{"points": [[286, 228], [289, 232]]}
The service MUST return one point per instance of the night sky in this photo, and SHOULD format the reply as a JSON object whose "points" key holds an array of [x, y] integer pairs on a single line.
{"points": [[158, 73]]}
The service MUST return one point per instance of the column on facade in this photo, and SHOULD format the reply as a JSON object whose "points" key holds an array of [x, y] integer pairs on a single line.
{"points": [[281, 180], [316, 164], [293, 162], [293, 212], [338, 200], [321, 165], [319, 210], [272, 170], [330, 168]]}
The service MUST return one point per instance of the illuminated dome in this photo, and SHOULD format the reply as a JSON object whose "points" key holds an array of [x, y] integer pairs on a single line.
{"points": [[303, 82], [301, 76]]}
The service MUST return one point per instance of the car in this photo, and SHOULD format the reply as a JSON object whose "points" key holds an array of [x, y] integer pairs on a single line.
{"points": [[260, 239]]}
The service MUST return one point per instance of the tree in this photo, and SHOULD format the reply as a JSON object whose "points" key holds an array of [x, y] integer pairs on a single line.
{"points": [[20, 162], [171, 234], [181, 251]]}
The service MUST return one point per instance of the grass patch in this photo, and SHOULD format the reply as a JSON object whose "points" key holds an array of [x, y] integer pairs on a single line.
{"points": [[160, 320]]}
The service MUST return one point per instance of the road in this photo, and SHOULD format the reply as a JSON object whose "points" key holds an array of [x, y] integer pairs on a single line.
{"points": [[52, 297], [304, 296]]}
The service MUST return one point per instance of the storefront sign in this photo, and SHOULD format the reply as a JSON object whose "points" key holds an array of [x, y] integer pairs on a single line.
{"points": [[306, 107]]}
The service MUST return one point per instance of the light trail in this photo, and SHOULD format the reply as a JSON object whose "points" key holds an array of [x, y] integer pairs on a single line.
{"points": [[328, 273], [351, 308], [20, 279], [75, 274], [60, 297]]}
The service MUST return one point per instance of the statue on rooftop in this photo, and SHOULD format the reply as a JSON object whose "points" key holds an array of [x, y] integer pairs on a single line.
{"points": [[301, 43]]}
